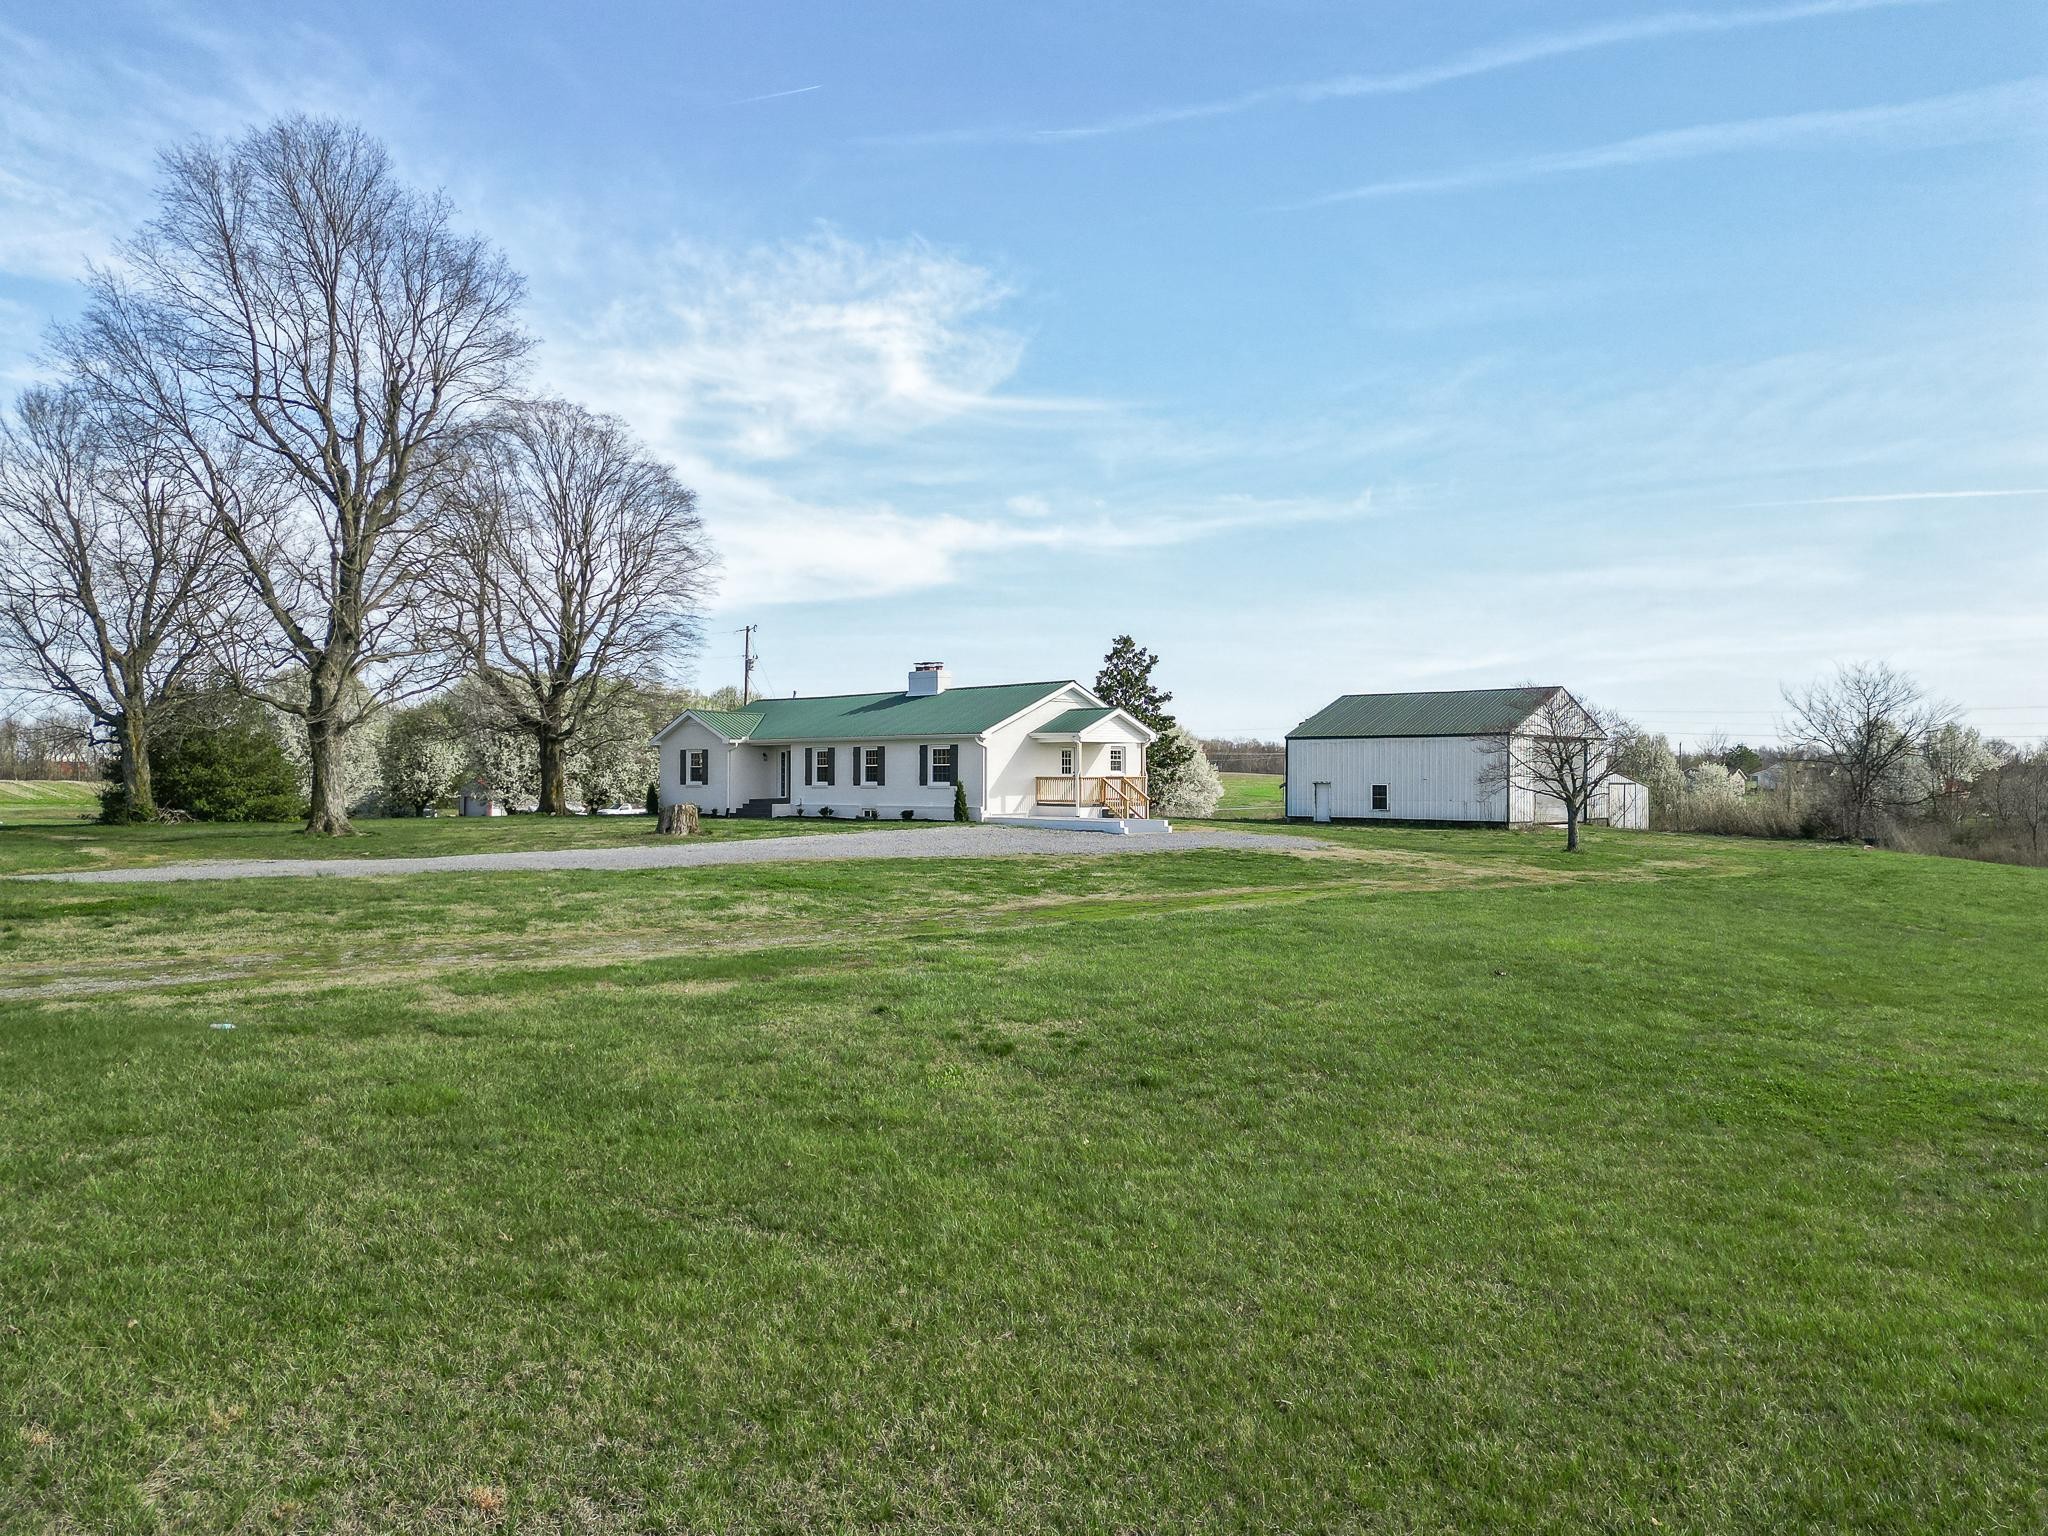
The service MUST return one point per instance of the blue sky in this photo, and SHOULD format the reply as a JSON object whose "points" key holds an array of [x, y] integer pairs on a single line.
{"points": [[1666, 353]]}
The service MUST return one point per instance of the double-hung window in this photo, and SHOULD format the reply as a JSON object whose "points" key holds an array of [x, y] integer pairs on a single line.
{"points": [[1379, 797], [1116, 759], [828, 764], [1066, 762], [696, 766], [867, 765], [942, 765]]}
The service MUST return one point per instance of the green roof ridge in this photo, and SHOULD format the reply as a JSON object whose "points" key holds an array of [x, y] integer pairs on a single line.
{"points": [[963, 711], [1441, 712]]}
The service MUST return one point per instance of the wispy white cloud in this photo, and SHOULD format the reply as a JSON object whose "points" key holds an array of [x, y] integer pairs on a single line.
{"points": [[2014, 109], [801, 90], [1892, 496], [781, 547], [1512, 54], [769, 349], [79, 133], [846, 411]]}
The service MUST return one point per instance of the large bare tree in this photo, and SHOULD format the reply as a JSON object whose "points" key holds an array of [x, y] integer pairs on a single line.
{"points": [[1868, 724], [1566, 750], [112, 581], [583, 566], [313, 333]]}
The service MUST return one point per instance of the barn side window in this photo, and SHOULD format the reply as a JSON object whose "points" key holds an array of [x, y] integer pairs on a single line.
{"points": [[1379, 797]]}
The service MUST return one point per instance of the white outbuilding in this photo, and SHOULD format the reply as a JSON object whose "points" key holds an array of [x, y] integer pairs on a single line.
{"points": [[1430, 757]]}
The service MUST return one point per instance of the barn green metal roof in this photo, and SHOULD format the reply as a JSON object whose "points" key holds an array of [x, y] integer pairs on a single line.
{"points": [[1464, 712], [1069, 721], [871, 716]]}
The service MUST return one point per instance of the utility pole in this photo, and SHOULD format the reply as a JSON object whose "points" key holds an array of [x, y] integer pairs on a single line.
{"points": [[747, 667]]}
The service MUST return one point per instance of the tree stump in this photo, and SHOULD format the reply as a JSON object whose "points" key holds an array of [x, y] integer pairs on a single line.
{"points": [[677, 820]]}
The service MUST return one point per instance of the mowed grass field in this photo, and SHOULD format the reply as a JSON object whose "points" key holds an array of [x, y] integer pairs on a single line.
{"points": [[55, 843], [1251, 796], [42, 801], [1436, 1182]]}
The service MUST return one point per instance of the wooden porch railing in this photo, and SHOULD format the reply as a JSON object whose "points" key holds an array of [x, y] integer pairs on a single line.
{"points": [[1122, 795]]}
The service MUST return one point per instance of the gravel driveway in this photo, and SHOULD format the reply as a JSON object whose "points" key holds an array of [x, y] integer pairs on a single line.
{"points": [[952, 842]]}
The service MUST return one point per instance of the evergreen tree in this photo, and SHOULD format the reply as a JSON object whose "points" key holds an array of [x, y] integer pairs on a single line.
{"points": [[221, 761], [1125, 682]]}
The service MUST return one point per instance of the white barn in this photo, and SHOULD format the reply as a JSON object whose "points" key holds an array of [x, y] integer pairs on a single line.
{"points": [[1043, 752], [1429, 757]]}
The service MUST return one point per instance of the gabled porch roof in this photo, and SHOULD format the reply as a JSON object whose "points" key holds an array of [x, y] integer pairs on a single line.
{"points": [[1094, 725]]}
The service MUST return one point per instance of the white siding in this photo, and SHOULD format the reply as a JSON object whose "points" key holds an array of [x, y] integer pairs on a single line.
{"points": [[999, 770], [1628, 804], [1428, 778], [899, 790], [1016, 761], [690, 736]]}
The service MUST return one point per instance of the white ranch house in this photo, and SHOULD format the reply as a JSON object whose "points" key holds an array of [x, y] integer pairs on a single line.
{"points": [[1043, 752], [1425, 757]]}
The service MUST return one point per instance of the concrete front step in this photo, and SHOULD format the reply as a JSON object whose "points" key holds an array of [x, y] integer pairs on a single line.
{"points": [[1110, 824]]}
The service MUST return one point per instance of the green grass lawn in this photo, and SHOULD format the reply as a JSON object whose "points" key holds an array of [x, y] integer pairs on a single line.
{"points": [[46, 800], [1436, 1183], [1251, 796], [49, 844]]}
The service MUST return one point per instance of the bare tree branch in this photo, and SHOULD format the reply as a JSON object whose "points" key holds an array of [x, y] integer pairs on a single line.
{"points": [[579, 565], [312, 335], [1868, 724], [114, 580], [1565, 750]]}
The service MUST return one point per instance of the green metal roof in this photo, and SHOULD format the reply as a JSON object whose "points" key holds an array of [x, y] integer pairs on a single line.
{"points": [[1072, 720], [870, 716], [1466, 712], [731, 723]]}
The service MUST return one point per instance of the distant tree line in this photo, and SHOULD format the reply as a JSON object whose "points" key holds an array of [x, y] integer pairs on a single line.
{"points": [[50, 744], [1245, 754], [287, 458], [1866, 755]]}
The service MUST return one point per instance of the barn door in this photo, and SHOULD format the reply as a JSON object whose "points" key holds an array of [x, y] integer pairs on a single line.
{"points": [[1322, 793]]}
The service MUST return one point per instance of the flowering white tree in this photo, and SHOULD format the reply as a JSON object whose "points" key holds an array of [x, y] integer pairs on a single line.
{"points": [[1952, 759], [1710, 784], [419, 758], [1190, 785]]}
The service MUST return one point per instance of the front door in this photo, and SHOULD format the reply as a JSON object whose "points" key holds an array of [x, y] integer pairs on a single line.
{"points": [[785, 775], [1322, 801]]}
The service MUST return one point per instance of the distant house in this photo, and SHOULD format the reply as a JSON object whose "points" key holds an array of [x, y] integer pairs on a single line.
{"points": [[476, 798], [1429, 757], [1022, 751]]}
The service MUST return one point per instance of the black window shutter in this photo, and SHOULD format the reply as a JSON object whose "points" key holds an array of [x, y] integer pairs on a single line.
{"points": [[881, 765], [959, 756], [924, 766], [807, 765]]}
